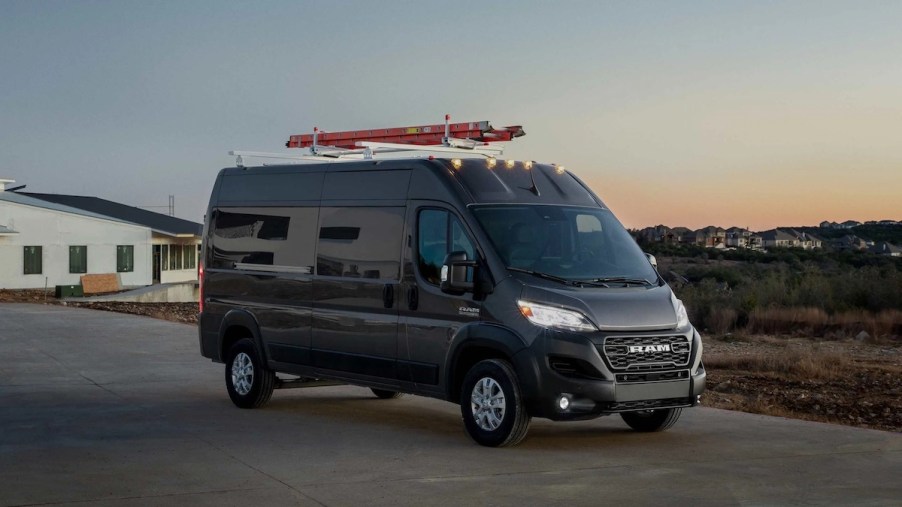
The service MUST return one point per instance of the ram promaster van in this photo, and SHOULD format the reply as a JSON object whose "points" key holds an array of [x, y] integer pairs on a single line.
{"points": [[504, 286]]}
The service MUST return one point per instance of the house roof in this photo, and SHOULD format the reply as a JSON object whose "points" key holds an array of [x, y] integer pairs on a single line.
{"points": [[776, 235], [886, 248], [24, 199], [711, 229], [155, 221]]}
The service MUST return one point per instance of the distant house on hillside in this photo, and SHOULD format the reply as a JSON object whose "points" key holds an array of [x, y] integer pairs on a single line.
{"points": [[658, 234], [805, 240], [51, 239], [737, 237], [884, 248], [848, 224], [711, 237], [849, 242], [679, 232], [778, 238]]}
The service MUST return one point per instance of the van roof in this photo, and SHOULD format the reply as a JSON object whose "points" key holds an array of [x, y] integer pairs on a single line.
{"points": [[470, 181]]}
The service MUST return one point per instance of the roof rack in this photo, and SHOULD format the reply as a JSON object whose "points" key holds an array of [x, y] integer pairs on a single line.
{"points": [[471, 138]]}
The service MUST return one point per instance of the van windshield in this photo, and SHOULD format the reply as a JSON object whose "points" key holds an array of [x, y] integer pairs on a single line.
{"points": [[574, 243]]}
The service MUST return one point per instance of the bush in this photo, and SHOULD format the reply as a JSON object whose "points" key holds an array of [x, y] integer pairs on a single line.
{"points": [[804, 295]]}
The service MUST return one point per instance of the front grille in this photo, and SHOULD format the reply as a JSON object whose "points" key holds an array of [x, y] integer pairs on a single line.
{"points": [[652, 376], [626, 406], [646, 353]]}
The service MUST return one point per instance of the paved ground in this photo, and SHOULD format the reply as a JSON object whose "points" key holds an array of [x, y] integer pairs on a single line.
{"points": [[107, 409]]}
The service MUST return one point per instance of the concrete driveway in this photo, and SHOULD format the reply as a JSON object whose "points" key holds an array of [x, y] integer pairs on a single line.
{"points": [[109, 409]]}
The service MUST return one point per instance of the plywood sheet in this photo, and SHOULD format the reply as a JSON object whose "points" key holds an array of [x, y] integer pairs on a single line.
{"points": [[100, 283]]}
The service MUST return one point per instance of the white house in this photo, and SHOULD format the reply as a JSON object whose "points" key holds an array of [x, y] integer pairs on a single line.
{"points": [[51, 239]]}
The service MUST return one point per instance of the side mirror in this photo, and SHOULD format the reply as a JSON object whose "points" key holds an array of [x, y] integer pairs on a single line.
{"points": [[652, 260], [454, 273]]}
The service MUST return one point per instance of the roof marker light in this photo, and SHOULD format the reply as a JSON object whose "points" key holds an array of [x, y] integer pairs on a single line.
{"points": [[509, 163], [559, 169], [527, 165], [456, 163], [490, 162]]}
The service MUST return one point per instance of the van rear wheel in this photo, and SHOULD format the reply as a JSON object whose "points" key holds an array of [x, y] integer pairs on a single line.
{"points": [[492, 406], [385, 394], [248, 381], [651, 420]]}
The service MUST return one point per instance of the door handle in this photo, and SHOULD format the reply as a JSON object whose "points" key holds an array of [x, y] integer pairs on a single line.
{"points": [[388, 295], [413, 298]]}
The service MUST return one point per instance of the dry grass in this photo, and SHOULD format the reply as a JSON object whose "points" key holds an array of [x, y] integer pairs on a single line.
{"points": [[794, 362], [722, 320], [816, 322]]}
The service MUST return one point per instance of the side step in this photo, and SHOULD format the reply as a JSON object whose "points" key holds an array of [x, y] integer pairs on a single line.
{"points": [[304, 382]]}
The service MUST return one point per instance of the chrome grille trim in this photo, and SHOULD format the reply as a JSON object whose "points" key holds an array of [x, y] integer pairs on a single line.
{"points": [[616, 351]]}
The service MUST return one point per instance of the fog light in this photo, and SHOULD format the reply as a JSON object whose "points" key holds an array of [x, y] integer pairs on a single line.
{"points": [[563, 402]]}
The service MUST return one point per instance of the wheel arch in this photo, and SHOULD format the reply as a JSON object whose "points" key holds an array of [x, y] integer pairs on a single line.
{"points": [[238, 324], [477, 342]]}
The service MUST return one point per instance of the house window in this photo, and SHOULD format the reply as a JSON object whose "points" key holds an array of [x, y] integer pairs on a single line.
{"points": [[125, 258], [172, 250], [78, 259], [33, 258], [164, 257], [176, 251], [188, 254]]}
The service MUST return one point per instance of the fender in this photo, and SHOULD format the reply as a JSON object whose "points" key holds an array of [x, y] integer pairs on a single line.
{"points": [[243, 318], [490, 336]]}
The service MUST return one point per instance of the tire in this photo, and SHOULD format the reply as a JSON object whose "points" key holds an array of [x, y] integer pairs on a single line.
{"points": [[386, 395], [492, 405], [249, 382], [651, 420]]}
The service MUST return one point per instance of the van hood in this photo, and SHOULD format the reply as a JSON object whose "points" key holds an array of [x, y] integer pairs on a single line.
{"points": [[613, 309]]}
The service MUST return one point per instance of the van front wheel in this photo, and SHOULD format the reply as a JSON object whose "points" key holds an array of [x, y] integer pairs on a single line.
{"points": [[492, 406], [651, 420], [248, 381]]}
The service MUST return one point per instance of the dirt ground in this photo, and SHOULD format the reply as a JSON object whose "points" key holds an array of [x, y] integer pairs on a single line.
{"points": [[856, 383], [850, 382]]}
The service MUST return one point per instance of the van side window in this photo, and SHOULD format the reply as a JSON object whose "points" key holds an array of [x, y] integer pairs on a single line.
{"points": [[277, 237], [360, 242], [438, 234]]}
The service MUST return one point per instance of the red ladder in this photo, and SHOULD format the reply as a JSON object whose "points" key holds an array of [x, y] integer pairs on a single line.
{"points": [[423, 135]]}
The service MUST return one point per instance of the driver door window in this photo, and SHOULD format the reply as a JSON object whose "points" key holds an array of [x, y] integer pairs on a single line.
{"points": [[439, 233]]}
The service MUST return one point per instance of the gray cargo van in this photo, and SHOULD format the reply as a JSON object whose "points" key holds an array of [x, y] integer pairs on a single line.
{"points": [[508, 288]]}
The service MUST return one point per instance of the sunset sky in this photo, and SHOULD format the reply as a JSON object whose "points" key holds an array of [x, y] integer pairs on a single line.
{"points": [[753, 114]]}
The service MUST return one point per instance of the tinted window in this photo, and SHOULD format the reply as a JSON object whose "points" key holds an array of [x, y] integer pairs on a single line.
{"points": [[570, 242], [125, 258], [78, 259], [438, 234], [268, 236], [360, 242], [33, 260]]}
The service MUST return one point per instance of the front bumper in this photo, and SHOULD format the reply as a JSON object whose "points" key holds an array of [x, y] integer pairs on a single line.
{"points": [[572, 365]]}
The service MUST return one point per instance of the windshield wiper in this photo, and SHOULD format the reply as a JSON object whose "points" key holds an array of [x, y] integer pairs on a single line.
{"points": [[565, 281], [622, 279]]}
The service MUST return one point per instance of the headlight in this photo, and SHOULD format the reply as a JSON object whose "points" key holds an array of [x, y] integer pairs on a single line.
{"points": [[680, 309], [549, 316]]}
